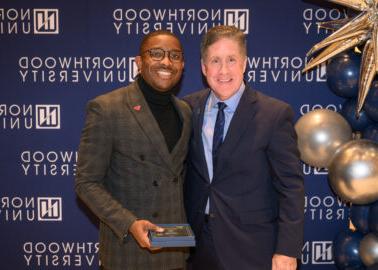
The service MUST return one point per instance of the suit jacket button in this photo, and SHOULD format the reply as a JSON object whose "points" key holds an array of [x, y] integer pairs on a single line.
{"points": [[141, 157], [155, 183], [155, 214], [175, 180]]}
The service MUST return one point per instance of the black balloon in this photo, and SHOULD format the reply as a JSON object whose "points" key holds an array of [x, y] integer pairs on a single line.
{"points": [[348, 111], [371, 102], [359, 215], [373, 218], [345, 250], [342, 74]]}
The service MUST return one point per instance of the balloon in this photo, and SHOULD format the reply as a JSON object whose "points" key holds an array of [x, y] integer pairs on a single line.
{"points": [[359, 215], [371, 132], [369, 249], [320, 133], [345, 250], [353, 172], [342, 74], [371, 102], [349, 112], [373, 218]]}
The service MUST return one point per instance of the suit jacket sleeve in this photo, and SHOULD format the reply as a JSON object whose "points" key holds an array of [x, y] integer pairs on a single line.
{"points": [[288, 181], [94, 160]]}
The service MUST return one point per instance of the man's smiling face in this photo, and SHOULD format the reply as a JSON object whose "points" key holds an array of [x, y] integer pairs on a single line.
{"points": [[162, 74]]}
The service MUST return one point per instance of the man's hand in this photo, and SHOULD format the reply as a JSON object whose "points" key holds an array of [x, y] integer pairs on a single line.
{"points": [[139, 229], [282, 262]]}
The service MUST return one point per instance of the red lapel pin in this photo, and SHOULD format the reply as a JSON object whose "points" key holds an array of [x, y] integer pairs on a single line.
{"points": [[137, 108]]}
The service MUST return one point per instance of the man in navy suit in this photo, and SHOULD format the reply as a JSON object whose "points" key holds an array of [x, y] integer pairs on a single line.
{"points": [[244, 194]]}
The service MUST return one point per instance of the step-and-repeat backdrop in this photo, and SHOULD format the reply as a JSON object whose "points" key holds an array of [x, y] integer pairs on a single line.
{"points": [[56, 55]]}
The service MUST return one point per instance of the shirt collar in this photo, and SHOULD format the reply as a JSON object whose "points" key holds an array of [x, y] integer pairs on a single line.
{"points": [[231, 102]]}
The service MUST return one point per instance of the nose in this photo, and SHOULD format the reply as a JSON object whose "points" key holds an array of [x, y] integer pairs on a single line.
{"points": [[223, 67]]}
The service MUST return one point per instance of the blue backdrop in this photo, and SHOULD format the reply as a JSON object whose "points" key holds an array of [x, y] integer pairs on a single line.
{"points": [[56, 55]]}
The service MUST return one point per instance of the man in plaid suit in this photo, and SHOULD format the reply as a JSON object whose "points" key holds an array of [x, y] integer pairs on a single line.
{"points": [[131, 157]]}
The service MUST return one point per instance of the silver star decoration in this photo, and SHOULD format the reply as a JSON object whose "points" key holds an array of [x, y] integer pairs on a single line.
{"points": [[351, 32]]}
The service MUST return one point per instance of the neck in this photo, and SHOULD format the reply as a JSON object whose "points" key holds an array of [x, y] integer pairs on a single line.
{"points": [[152, 95]]}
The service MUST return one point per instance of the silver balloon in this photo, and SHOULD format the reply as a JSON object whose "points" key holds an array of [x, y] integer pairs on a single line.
{"points": [[369, 249], [320, 133], [353, 172]]}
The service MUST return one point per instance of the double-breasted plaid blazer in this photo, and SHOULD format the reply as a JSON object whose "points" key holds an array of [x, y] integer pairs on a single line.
{"points": [[126, 172]]}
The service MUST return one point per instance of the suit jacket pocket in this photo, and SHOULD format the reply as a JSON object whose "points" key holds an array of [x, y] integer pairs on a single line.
{"points": [[258, 216]]}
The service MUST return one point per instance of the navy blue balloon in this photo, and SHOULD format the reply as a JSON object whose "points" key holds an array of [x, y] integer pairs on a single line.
{"points": [[373, 218], [349, 112], [371, 102], [371, 133], [345, 250], [343, 71], [359, 215]]}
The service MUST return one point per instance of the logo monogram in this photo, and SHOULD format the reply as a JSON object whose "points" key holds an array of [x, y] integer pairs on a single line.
{"points": [[322, 252], [238, 18], [47, 116], [49, 209], [46, 21]]}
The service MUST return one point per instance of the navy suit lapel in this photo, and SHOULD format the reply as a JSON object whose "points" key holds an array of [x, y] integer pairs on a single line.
{"points": [[240, 122]]}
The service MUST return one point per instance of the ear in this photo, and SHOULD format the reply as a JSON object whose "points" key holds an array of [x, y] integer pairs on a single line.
{"points": [[203, 67], [138, 61]]}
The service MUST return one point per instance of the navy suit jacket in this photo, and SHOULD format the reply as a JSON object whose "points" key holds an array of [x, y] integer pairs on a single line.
{"points": [[257, 193]]}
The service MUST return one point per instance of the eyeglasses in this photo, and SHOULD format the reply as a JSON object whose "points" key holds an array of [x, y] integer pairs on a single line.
{"points": [[158, 54]]}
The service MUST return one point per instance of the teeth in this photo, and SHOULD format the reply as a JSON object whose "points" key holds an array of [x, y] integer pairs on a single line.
{"points": [[164, 73], [225, 80]]}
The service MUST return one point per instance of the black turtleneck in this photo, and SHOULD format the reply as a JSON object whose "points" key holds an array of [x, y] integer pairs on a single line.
{"points": [[164, 111]]}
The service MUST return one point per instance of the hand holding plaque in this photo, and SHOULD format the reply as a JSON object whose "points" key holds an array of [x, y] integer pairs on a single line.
{"points": [[174, 235]]}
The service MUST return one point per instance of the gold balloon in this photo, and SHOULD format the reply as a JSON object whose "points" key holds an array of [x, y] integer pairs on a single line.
{"points": [[362, 28], [369, 249], [353, 172], [320, 133]]}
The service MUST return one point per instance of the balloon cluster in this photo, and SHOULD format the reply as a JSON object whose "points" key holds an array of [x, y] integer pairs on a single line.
{"points": [[325, 139], [342, 78], [359, 249], [325, 136]]}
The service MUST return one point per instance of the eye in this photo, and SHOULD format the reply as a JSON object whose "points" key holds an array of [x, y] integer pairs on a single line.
{"points": [[232, 60], [214, 61], [175, 56], [157, 53]]}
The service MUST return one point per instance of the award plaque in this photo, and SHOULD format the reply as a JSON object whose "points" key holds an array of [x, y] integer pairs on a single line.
{"points": [[174, 235]]}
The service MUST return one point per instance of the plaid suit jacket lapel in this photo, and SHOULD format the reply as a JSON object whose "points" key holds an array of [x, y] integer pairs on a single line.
{"points": [[179, 151], [139, 108]]}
